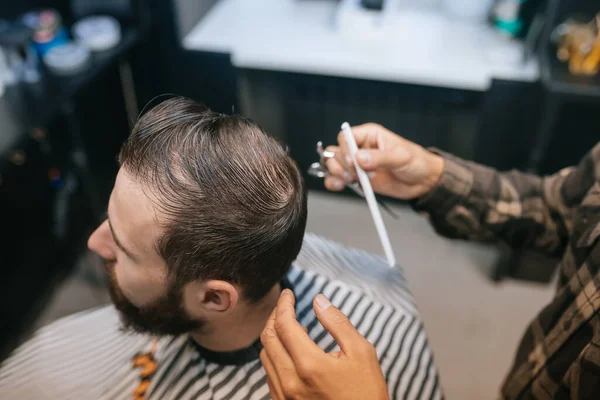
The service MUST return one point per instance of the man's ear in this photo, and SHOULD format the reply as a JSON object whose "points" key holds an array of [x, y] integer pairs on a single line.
{"points": [[210, 297]]}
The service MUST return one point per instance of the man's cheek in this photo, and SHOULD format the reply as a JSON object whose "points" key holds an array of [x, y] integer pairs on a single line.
{"points": [[127, 286], [138, 287]]}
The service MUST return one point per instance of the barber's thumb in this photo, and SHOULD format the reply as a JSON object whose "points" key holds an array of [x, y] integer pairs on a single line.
{"points": [[336, 323], [370, 159]]}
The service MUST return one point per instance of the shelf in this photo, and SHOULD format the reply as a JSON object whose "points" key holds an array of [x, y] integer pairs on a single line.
{"points": [[28, 106], [557, 79]]}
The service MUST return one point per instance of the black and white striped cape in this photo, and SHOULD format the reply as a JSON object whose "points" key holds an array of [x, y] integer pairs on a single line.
{"points": [[86, 356]]}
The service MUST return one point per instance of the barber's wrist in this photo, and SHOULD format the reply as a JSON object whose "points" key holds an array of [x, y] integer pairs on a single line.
{"points": [[436, 167], [453, 185]]}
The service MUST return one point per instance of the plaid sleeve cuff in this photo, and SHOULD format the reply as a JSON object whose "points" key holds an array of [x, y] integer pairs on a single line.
{"points": [[454, 187]]}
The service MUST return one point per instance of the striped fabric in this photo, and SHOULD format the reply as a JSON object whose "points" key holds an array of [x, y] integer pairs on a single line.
{"points": [[86, 355]]}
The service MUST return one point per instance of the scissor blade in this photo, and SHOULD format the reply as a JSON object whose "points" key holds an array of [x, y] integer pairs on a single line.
{"points": [[355, 186]]}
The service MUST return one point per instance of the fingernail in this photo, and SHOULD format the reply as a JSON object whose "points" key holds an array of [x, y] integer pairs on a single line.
{"points": [[349, 160], [347, 176], [337, 183], [286, 292], [371, 174], [322, 302], [364, 157]]}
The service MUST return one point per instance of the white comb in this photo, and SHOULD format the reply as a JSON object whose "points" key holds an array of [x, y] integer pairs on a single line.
{"points": [[370, 196]]}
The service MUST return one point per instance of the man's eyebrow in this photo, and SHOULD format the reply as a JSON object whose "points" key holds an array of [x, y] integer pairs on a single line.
{"points": [[118, 242]]}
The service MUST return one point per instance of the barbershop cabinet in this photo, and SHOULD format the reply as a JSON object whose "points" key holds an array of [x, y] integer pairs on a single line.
{"points": [[496, 127], [55, 181], [43, 212]]}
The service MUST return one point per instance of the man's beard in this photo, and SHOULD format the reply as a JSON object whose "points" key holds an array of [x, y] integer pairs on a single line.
{"points": [[164, 316]]}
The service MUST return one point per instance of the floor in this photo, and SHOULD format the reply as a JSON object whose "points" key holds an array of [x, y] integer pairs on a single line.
{"points": [[473, 324]]}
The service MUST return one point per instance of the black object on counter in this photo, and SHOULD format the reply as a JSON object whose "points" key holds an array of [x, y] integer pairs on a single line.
{"points": [[372, 4], [555, 74], [561, 87]]}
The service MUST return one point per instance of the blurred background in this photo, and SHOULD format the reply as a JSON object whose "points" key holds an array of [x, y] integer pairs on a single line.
{"points": [[506, 83]]}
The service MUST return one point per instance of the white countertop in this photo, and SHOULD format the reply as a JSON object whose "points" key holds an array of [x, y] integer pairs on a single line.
{"points": [[415, 46]]}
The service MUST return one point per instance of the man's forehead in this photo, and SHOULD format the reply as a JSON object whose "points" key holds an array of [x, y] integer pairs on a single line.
{"points": [[133, 214]]}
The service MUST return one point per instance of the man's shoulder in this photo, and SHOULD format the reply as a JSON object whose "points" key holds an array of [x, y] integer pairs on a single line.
{"points": [[77, 332], [71, 357], [358, 270], [105, 315]]}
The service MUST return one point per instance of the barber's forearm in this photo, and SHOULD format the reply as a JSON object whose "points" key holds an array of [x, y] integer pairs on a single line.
{"points": [[479, 203]]}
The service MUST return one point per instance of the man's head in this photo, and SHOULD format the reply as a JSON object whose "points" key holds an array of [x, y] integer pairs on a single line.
{"points": [[206, 216]]}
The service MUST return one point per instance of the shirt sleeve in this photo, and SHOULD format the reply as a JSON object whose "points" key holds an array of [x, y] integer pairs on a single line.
{"points": [[527, 211], [583, 377]]}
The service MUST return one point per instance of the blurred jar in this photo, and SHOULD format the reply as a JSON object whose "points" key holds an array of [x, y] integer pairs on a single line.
{"points": [[48, 29], [471, 10]]}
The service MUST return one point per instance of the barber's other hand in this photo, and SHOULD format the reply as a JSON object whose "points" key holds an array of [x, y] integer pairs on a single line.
{"points": [[298, 369], [397, 167]]}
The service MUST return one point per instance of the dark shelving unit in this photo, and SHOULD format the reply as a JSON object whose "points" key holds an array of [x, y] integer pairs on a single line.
{"points": [[560, 86], [45, 224]]}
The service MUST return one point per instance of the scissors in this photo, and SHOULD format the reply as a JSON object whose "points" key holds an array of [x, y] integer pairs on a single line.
{"points": [[319, 170]]}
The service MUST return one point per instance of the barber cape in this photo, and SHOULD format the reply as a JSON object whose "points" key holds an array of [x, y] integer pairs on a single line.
{"points": [[86, 356]]}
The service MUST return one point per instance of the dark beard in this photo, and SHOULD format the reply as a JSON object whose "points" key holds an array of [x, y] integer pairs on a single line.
{"points": [[163, 317]]}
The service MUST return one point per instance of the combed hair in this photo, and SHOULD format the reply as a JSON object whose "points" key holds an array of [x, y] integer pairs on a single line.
{"points": [[232, 201]]}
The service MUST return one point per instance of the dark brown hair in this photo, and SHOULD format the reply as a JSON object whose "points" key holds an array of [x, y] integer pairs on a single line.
{"points": [[232, 201]]}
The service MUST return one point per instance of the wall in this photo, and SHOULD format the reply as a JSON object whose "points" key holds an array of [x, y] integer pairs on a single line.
{"points": [[12, 9], [208, 78]]}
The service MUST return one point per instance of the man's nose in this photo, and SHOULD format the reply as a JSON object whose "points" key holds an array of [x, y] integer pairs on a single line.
{"points": [[101, 242]]}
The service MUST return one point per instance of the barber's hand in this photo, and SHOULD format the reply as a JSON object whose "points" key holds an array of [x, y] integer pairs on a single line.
{"points": [[298, 369], [397, 167]]}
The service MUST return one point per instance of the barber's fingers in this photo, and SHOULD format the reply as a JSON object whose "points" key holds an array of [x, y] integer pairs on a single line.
{"points": [[335, 166], [343, 155], [276, 393], [272, 378], [378, 148], [334, 184], [292, 335], [286, 303], [394, 158], [338, 176], [339, 173], [337, 324], [365, 136], [278, 356], [339, 166]]}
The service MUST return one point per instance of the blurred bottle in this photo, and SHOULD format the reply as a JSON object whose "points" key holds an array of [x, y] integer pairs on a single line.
{"points": [[469, 10], [3, 71], [513, 17], [49, 31], [3, 63], [15, 64]]}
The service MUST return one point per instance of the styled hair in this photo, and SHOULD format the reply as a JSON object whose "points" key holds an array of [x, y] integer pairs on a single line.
{"points": [[232, 201]]}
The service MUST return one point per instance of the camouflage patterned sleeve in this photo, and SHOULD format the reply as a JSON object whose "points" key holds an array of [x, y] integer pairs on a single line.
{"points": [[527, 211]]}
